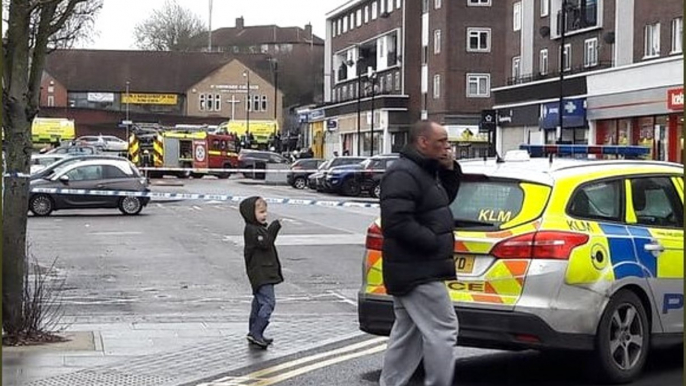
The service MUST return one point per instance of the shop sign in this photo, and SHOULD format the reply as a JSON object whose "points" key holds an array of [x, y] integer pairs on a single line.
{"points": [[100, 97], [150, 99], [675, 98]]}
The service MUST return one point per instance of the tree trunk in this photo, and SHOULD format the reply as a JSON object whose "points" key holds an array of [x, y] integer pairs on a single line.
{"points": [[18, 154]]}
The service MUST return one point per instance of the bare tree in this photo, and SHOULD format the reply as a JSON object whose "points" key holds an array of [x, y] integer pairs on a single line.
{"points": [[33, 28], [169, 29]]}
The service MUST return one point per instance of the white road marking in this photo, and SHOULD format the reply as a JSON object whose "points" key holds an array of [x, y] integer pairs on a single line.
{"points": [[115, 233]]}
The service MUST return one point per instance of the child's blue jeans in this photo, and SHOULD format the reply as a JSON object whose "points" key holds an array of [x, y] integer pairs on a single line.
{"points": [[263, 303]]}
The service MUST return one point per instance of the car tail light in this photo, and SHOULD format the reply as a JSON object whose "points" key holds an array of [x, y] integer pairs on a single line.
{"points": [[374, 238], [539, 245]]}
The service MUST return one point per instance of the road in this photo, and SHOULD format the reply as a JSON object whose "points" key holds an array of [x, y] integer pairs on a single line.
{"points": [[183, 261]]}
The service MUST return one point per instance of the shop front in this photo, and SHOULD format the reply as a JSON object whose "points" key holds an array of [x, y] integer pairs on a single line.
{"points": [[468, 142], [658, 125], [574, 129]]}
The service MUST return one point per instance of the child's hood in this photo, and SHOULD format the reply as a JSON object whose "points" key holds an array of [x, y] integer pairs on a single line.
{"points": [[247, 209]]}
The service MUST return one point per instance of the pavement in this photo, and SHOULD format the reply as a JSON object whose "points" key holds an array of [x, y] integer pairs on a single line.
{"points": [[162, 353]]}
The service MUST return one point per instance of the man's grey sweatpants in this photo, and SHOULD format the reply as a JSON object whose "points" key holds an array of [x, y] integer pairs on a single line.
{"points": [[425, 327]]}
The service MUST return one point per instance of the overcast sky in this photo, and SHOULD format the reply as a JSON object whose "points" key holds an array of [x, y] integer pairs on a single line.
{"points": [[115, 23]]}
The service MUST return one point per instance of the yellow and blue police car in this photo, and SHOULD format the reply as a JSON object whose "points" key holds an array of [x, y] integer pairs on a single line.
{"points": [[554, 253]]}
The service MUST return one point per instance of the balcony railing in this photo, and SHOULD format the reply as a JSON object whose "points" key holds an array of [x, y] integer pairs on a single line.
{"points": [[526, 78]]}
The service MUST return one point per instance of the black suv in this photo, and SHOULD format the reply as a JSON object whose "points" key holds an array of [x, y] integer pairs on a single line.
{"points": [[256, 159], [301, 169]]}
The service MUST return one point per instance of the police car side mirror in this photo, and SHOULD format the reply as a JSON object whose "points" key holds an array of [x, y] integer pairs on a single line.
{"points": [[64, 179]]}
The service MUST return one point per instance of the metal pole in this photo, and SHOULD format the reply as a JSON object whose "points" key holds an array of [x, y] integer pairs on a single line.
{"points": [[359, 100], [371, 153], [276, 87], [563, 21], [248, 107], [127, 117], [209, 35]]}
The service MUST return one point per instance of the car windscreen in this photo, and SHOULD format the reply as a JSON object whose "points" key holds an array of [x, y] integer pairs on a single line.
{"points": [[488, 204]]}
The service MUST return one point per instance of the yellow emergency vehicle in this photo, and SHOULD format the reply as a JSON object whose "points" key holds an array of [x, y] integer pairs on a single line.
{"points": [[555, 253]]}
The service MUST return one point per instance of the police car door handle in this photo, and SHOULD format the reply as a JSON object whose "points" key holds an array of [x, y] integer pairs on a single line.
{"points": [[654, 247]]}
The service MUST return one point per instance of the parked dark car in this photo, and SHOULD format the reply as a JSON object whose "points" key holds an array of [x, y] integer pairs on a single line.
{"points": [[317, 180], [301, 169], [258, 160], [90, 174], [352, 180]]}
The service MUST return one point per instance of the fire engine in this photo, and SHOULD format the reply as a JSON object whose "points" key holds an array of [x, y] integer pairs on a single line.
{"points": [[197, 152]]}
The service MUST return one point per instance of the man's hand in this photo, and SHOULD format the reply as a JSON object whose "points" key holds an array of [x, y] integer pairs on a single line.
{"points": [[448, 162]]}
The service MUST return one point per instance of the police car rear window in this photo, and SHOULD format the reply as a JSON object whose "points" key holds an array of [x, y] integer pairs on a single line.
{"points": [[499, 204]]}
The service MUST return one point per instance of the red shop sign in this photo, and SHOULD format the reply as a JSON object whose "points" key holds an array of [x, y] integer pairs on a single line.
{"points": [[675, 98]]}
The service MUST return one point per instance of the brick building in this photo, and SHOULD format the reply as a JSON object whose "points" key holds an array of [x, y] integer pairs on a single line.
{"points": [[622, 74], [100, 88], [403, 61], [296, 53]]}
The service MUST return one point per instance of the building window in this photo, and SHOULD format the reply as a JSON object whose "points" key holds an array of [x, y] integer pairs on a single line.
{"points": [[543, 62], [517, 16], [264, 103], [51, 100], [545, 8], [479, 3], [201, 102], [478, 39], [375, 10], [340, 26], [437, 41], [217, 102], [591, 52], [437, 86], [516, 68], [382, 8], [359, 17], [389, 82], [345, 23], [397, 81], [425, 6], [478, 85], [398, 3], [585, 14], [437, 4], [334, 28], [352, 21], [256, 103], [366, 14], [652, 40], [677, 34], [567, 60]]}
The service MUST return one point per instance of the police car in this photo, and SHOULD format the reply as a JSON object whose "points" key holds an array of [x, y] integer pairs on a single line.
{"points": [[554, 253]]}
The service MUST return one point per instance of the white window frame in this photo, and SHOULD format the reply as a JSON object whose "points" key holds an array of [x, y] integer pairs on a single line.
{"points": [[217, 102], [677, 35], [345, 23], [398, 4], [517, 16], [366, 14], [340, 26], [651, 41], [479, 3], [543, 62], [476, 78], [358, 18], [567, 60], [264, 103], [375, 10], [516, 67], [382, 7], [51, 100], [437, 41], [438, 4], [479, 32], [591, 52], [437, 86], [352, 21], [545, 8]]}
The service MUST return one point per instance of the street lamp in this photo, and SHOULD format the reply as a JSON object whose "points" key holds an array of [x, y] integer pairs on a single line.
{"points": [[246, 74], [563, 27], [127, 117]]}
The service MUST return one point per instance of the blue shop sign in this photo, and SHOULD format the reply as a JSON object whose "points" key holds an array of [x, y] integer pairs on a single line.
{"points": [[573, 114], [316, 115]]}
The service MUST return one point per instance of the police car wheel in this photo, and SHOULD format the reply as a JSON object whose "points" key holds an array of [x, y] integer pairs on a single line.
{"points": [[623, 338], [300, 183], [41, 205], [351, 188], [130, 206]]}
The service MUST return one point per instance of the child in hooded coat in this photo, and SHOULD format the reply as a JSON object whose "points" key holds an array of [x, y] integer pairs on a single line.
{"points": [[262, 264]]}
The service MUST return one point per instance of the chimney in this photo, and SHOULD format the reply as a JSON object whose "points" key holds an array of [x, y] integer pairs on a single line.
{"points": [[308, 31], [240, 22]]}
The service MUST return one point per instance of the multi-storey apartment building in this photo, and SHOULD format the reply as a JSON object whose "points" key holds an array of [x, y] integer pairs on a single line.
{"points": [[621, 80], [389, 63]]}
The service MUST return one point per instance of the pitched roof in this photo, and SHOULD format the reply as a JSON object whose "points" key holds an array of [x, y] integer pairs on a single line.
{"points": [[256, 35], [146, 71]]}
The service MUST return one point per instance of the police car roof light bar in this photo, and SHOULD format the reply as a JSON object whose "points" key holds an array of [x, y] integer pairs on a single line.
{"points": [[626, 151]]}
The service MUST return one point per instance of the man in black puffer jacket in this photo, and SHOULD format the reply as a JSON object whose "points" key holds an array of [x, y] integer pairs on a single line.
{"points": [[417, 225]]}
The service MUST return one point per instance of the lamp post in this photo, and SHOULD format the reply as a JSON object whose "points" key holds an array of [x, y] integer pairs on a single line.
{"points": [[127, 116], [563, 27], [248, 106], [372, 79]]}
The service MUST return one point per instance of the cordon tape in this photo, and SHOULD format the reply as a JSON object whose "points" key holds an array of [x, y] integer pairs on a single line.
{"points": [[205, 197]]}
